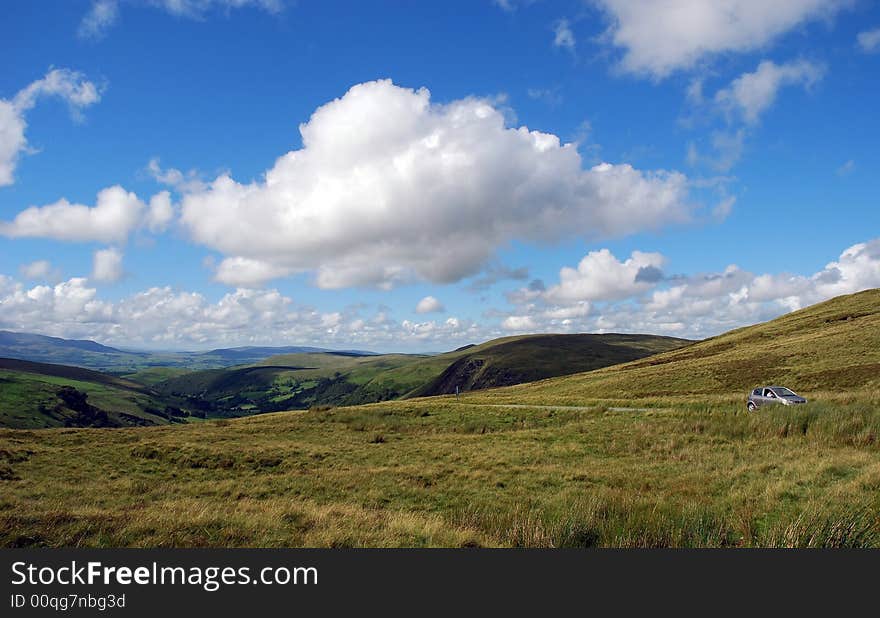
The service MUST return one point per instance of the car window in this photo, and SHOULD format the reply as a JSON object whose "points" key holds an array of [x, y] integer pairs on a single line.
{"points": [[784, 392], [757, 391], [768, 393]]}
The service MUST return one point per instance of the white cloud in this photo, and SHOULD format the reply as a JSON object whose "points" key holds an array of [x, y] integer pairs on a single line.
{"points": [[869, 40], [103, 14], [519, 323], [65, 84], [174, 178], [659, 38], [115, 214], [726, 148], [198, 8], [107, 265], [390, 188], [165, 318], [751, 94], [550, 96], [247, 272], [40, 269], [696, 306], [44, 307], [68, 85], [159, 213], [846, 169], [563, 36], [741, 103], [429, 304], [601, 276]]}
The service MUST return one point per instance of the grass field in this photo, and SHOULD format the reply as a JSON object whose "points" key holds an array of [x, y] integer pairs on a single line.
{"points": [[437, 473], [656, 453]]}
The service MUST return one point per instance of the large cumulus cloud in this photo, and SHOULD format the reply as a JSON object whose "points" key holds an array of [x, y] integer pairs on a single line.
{"points": [[389, 187]]}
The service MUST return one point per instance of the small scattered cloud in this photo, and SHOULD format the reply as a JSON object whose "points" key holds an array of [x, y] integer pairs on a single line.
{"points": [[247, 272], [69, 86], [550, 96], [183, 182], [495, 273], [160, 212], [429, 304], [724, 150], [104, 14], [869, 41], [39, 270], [519, 323], [107, 265], [751, 94], [846, 169], [563, 36], [740, 106]]}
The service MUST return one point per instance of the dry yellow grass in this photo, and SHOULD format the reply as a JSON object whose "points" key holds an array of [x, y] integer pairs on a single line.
{"points": [[430, 473]]}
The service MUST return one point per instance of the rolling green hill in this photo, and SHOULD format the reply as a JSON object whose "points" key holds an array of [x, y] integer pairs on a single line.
{"points": [[36, 395], [294, 381], [831, 346], [535, 357]]}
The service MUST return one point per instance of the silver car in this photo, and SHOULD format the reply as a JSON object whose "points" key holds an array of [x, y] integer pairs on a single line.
{"points": [[773, 394]]}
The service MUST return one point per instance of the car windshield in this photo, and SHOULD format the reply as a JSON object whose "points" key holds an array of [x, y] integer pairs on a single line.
{"points": [[783, 392]]}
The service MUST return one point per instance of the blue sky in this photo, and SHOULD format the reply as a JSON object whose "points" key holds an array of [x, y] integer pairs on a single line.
{"points": [[721, 168]]}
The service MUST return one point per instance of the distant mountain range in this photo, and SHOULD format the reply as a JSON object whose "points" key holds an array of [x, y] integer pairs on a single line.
{"points": [[93, 355]]}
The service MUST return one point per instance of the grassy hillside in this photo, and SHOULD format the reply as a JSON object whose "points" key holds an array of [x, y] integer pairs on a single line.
{"points": [[832, 346], [296, 381], [154, 375], [431, 472], [35, 395], [534, 357]]}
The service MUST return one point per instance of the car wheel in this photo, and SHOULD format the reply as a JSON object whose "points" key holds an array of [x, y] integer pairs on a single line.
{"points": [[752, 407]]}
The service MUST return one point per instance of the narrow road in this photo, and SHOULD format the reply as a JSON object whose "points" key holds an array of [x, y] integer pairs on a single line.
{"points": [[542, 407]]}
